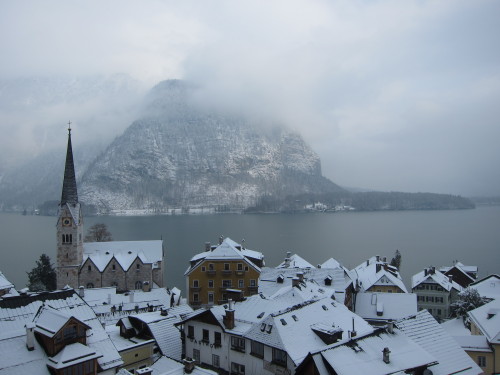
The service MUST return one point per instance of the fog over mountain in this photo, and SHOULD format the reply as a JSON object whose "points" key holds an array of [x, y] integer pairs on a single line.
{"points": [[391, 95]]}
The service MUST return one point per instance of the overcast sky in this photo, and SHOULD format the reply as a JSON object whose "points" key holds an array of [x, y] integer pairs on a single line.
{"points": [[393, 95]]}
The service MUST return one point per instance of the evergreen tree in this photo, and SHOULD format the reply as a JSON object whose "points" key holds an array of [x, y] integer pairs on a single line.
{"points": [[469, 299], [98, 233], [396, 260], [43, 276]]}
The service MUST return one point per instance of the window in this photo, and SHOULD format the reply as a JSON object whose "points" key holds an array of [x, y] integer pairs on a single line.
{"points": [[215, 361], [211, 267], [196, 297], [196, 355], [206, 335], [210, 283], [240, 266], [257, 349], [438, 311], [226, 267], [67, 238], [224, 296], [90, 285], [137, 266], [226, 283], [241, 283], [481, 361], [279, 357], [246, 268], [89, 268], [69, 332], [238, 344], [113, 267], [203, 269], [253, 283], [237, 369], [190, 332], [138, 285], [114, 283], [217, 338], [196, 284], [210, 297]]}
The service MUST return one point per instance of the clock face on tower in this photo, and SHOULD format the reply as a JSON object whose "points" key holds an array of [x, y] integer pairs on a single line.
{"points": [[66, 221]]}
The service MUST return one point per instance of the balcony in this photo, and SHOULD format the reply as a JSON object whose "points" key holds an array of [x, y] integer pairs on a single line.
{"points": [[195, 288], [227, 272], [211, 272]]}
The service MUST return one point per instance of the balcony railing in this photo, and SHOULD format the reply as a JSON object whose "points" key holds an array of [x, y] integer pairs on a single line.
{"points": [[211, 272], [227, 272]]}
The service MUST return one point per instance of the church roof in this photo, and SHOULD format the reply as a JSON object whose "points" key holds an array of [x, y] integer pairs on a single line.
{"points": [[125, 252], [69, 191]]}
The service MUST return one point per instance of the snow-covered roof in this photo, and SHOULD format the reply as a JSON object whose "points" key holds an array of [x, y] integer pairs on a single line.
{"points": [[488, 287], [71, 355], [16, 312], [49, 321], [121, 343], [291, 330], [487, 319], [433, 277], [125, 252], [473, 343], [430, 335], [295, 261], [385, 306], [4, 283], [377, 272], [167, 366], [165, 333], [365, 355], [456, 327], [227, 250], [330, 263], [460, 266]]}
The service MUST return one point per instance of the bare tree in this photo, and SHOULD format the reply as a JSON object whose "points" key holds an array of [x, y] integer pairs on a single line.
{"points": [[98, 233]]}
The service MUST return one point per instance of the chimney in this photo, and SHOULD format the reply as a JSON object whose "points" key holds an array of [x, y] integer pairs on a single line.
{"points": [[368, 262], [390, 326], [385, 354], [353, 332], [144, 371], [145, 286], [208, 246], [163, 312], [377, 257], [188, 365], [300, 276], [287, 259], [221, 238], [433, 270], [295, 282], [109, 298], [425, 272], [384, 259], [30, 336], [378, 267], [81, 291], [131, 297], [228, 319]]}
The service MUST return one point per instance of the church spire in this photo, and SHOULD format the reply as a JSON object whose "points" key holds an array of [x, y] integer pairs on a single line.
{"points": [[69, 193]]}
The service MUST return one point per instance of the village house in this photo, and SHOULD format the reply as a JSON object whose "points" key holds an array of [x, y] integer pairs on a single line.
{"points": [[6, 287], [488, 287], [382, 308], [126, 265], [266, 336], [435, 292], [463, 275], [376, 275], [54, 333], [221, 272]]}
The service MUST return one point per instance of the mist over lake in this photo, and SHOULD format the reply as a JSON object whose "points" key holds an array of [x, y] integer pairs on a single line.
{"points": [[424, 238]]}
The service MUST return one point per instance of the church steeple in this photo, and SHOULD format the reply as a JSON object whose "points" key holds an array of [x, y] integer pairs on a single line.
{"points": [[69, 192]]}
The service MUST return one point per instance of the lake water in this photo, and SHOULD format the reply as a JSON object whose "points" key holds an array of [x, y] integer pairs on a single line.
{"points": [[424, 238]]}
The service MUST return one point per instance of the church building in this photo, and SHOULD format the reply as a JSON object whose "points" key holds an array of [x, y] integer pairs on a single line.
{"points": [[127, 265]]}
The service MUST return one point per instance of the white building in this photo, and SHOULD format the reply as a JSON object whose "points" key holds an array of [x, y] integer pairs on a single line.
{"points": [[376, 275]]}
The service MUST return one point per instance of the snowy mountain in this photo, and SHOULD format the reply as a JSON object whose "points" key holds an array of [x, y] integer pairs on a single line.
{"points": [[180, 155]]}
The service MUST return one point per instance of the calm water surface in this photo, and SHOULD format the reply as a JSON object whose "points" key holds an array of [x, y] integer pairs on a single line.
{"points": [[423, 237]]}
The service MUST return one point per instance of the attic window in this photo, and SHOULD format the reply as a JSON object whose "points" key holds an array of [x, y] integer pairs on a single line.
{"points": [[263, 327], [324, 307], [283, 321], [269, 328], [260, 315], [295, 317]]}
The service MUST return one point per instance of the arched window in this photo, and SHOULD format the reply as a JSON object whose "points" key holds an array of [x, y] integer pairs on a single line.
{"points": [[138, 285], [90, 285], [114, 283]]}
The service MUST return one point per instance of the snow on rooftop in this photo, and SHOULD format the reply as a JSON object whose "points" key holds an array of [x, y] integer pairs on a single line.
{"points": [[456, 327], [488, 287], [125, 252], [365, 355], [295, 261], [430, 335], [49, 320], [330, 263], [4, 283], [487, 319], [167, 366], [71, 355], [393, 305], [434, 277], [377, 272]]}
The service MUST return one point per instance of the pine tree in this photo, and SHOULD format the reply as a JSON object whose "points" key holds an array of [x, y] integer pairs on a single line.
{"points": [[43, 276], [469, 299], [396, 261]]}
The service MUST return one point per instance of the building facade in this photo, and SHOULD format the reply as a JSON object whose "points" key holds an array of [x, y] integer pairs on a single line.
{"points": [[223, 272]]}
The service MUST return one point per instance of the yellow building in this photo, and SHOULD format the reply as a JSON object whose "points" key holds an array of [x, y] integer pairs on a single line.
{"points": [[222, 272]]}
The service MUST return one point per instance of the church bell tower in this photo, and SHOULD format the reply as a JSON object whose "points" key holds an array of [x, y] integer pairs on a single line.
{"points": [[69, 227]]}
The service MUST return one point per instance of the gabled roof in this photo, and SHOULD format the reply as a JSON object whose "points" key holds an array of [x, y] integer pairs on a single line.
{"points": [[460, 266], [125, 252], [363, 355], [487, 319], [377, 272], [50, 321], [4, 283], [296, 261], [330, 263], [488, 287], [71, 355], [167, 366], [227, 250], [390, 306], [435, 278], [428, 333]]}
